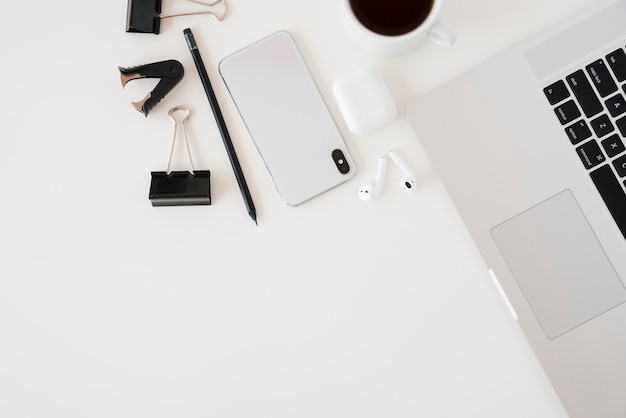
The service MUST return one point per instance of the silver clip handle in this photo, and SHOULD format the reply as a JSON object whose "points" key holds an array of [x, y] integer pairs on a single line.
{"points": [[183, 124], [219, 15]]}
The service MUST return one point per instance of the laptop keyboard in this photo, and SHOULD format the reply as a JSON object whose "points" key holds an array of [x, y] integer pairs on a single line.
{"points": [[590, 104]]}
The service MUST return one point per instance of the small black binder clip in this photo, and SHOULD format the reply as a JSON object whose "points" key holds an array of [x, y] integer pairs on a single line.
{"points": [[143, 16], [170, 72], [180, 188]]}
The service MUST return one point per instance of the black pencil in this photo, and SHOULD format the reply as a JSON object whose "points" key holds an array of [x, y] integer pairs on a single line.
{"points": [[217, 113]]}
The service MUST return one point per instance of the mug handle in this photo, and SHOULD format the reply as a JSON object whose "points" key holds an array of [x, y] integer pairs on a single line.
{"points": [[442, 33]]}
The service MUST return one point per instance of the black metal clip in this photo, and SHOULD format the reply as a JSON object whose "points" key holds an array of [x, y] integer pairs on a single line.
{"points": [[170, 72], [180, 188], [143, 16]]}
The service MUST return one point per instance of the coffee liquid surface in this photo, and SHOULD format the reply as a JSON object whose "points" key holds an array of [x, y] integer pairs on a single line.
{"points": [[391, 17]]}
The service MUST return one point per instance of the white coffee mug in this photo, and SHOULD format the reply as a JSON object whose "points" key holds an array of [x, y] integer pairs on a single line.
{"points": [[377, 27]]}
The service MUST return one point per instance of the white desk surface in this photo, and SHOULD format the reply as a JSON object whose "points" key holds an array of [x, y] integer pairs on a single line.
{"points": [[112, 308]]}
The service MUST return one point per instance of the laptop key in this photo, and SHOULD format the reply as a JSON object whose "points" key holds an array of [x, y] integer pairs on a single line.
{"points": [[616, 105], [590, 154], [578, 132], [613, 145], [602, 126], [617, 62], [556, 92], [567, 112], [601, 78], [612, 193], [621, 125], [620, 166], [585, 94]]}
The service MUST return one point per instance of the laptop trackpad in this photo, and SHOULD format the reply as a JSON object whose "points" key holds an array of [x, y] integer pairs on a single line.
{"points": [[559, 264]]}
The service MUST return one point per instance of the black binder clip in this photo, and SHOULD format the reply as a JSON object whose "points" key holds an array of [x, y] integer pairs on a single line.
{"points": [[143, 16], [170, 72], [180, 188]]}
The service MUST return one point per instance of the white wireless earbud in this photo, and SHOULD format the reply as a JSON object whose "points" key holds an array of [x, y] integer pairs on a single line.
{"points": [[408, 181], [368, 191]]}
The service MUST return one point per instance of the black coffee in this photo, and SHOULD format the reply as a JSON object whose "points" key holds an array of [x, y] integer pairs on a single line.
{"points": [[391, 17]]}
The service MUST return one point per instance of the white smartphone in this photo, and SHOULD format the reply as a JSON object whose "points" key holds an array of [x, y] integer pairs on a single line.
{"points": [[287, 118]]}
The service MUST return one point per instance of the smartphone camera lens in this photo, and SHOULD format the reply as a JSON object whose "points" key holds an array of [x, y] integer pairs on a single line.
{"points": [[340, 161]]}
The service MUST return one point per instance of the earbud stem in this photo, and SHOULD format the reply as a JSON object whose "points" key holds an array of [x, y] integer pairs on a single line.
{"points": [[409, 180]]}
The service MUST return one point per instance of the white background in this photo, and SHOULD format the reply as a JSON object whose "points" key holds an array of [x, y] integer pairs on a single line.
{"points": [[112, 308]]}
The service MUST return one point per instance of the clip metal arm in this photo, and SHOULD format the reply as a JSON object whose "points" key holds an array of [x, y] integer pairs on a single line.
{"points": [[219, 15]]}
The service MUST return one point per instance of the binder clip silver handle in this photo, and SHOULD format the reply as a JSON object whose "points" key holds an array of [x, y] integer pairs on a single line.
{"points": [[183, 125], [219, 15]]}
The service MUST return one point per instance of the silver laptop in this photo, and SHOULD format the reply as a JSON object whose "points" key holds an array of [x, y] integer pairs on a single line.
{"points": [[531, 147]]}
